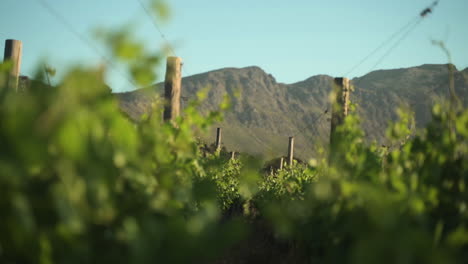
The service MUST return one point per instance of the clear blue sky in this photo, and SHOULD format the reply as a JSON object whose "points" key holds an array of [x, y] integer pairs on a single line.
{"points": [[292, 40]]}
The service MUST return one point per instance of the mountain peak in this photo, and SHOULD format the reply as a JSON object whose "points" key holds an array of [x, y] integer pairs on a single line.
{"points": [[318, 77], [436, 66], [252, 68], [237, 69]]}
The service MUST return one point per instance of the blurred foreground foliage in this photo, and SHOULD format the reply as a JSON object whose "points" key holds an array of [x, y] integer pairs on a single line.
{"points": [[81, 183]]}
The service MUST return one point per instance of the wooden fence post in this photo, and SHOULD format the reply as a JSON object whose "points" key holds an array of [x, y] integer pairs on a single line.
{"points": [[291, 151], [13, 53], [218, 139], [281, 163], [172, 88], [340, 107], [233, 155]]}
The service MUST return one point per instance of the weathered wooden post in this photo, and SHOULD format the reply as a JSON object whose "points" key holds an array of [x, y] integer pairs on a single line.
{"points": [[218, 139], [340, 108], [233, 155], [291, 151], [13, 53], [172, 88], [281, 163]]}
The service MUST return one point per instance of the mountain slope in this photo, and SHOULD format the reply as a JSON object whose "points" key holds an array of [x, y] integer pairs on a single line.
{"points": [[267, 112]]}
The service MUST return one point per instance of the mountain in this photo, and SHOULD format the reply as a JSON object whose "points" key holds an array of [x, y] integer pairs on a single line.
{"points": [[267, 112]]}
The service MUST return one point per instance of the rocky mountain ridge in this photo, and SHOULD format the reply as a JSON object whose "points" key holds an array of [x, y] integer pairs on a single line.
{"points": [[267, 112]]}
